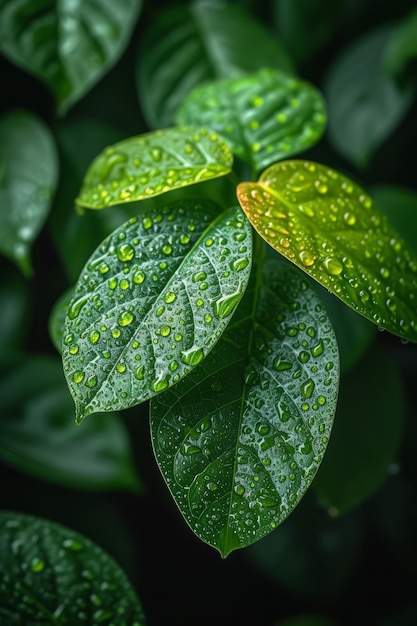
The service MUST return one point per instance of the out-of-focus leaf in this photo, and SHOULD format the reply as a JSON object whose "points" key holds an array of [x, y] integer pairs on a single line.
{"points": [[400, 206], [367, 433], [364, 103], [67, 44], [403, 45], [38, 434], [28, 178], [327, 225], [240, 439], [188, 45], [57, 316], [152, 301], [14, 313], [264, 117], [154, 163], [51, 574]]}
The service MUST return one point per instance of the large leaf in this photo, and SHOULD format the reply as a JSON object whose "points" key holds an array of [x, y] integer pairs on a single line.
{"points": [[28, 178], [51, 574], [151, 164], [365, 104], [265, 117], [38, 435], [327, 225], [152, 301], [240, 439], [187, 45], [352, 469], [68, 45]]}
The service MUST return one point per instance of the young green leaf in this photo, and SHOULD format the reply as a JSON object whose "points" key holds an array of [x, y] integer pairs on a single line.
{"points": [[265, 117], [150, 164], [28, 178], [68, 45], [190, 44], [328, 226], [240, 439], [152, 301], [50, 574], [38, 435]]}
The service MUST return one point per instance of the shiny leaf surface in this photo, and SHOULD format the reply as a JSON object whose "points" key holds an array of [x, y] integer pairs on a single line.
{"points": [[152, 301], [67, 44], [265, 117], [328, 226], [240, 439], [151, 164], [28, 178], [50, 574]]}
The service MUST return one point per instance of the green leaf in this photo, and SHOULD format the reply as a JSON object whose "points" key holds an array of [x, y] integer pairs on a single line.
{"points": [[38, 434], [188, 45], [57, 317], [68, 45], [51, 574], [14, 313], [400, 206], [328, 226], [265, 117], [364, 103], [154, 163], [352, 470], [152, 301], [240, 439], [28, 178], [402, 47]]}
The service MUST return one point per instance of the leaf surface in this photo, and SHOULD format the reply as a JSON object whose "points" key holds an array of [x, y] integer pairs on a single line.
{"points": [[51, 574], [67, 44], [265, 116], [188, 45], [154, 163], [327, 225], [28, 178], [152, 301], [240, 439]]}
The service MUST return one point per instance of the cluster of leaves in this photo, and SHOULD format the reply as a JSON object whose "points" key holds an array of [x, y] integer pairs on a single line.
{"points": [[211, 275]]}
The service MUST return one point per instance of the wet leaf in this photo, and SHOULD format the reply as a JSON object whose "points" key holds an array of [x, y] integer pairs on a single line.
{"points": [[188, 45], [152, 301], [38, 435], [265, 117], [327, 225], [240, 439], [353, 470], [68, 45], [28, 178], [51, 574], [154, 163]]}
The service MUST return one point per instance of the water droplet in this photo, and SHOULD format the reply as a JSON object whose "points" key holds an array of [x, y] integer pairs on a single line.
{"points": [[307, 388], [37, 565], [280, 365], [333, 265], [94, 336], [121, 368], [240, 490], [73, 544], [125, 319], [193, 356], [170, 297], [78, 376], [159, 384], [267, 502], [167, 249], [76, 306], [147, 223], [239, 264], [125, 252], [225, 305], [74, 349], [165, 331], [306, 258], [318, 349], [199, 276]]}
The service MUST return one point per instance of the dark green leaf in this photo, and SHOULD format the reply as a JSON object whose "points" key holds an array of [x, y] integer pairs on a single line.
{"points": [[400, 206], [152, 164], [28, 177], [240, 439], [50, 574], [152, 301], [38, 434], [68, 45], [402, 47], [265, 117], [371, 408], [327, 225], [57, 317], [364, 103], [14, 313], [188, 45]]}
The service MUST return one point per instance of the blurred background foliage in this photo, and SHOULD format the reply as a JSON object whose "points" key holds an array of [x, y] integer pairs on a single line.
{"points": [[348, 553]]}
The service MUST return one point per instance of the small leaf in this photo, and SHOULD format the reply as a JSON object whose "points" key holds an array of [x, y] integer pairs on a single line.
{"points": [[38, 434], [68, 45], [353, 470], [188, 45], [327, 225], [152, 301], [265, 117], [240, 439], [364, 103], [28, 178], [151, 164], [50, 574]]}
